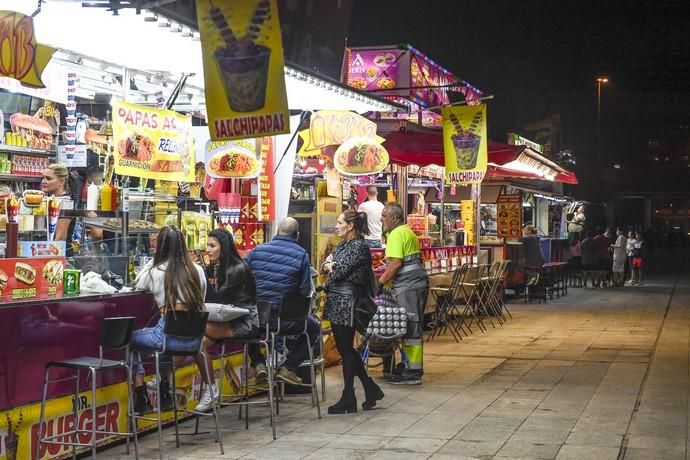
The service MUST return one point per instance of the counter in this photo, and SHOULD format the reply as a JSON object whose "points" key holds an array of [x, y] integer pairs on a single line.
{"points": [[34, 332]]}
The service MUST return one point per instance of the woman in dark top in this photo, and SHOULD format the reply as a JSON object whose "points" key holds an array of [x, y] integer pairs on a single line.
{"points": [[350, 275], [534, 258], [230, 281]]}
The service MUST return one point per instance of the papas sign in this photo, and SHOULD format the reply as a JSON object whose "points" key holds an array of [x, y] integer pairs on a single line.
{"points": [[20, 56]]}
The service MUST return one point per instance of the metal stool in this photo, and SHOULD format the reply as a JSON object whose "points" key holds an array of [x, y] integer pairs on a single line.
{"points": [[186, 325], [115, 334], [263, 339]]}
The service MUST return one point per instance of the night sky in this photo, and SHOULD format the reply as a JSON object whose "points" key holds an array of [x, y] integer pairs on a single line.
{"points": [[542, 57]]}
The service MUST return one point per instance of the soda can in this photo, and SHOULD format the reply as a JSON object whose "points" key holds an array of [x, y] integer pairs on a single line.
{"points": [[71, 280]]}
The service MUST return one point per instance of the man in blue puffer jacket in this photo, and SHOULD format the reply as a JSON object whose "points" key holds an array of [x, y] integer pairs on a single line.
{"points": [[281, 267]]}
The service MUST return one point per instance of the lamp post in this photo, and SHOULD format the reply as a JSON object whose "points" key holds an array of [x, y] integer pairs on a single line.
{"points": [[600, 81]]}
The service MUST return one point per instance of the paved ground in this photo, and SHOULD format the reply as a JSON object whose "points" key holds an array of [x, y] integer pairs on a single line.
{"points": [[599, 374]]}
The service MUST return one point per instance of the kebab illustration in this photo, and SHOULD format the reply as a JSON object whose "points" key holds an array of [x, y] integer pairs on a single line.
{"points": [[242, 62], [466, 142]]}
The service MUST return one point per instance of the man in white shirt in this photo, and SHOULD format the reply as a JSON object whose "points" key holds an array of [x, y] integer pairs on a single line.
{"points": [[373, 208]]}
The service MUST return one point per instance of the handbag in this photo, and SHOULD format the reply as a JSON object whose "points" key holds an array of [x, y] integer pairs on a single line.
{"points": [[222, 313], [365, 307]]}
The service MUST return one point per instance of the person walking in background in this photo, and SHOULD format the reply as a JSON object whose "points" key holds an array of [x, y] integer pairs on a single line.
{"points": [[637, 260], [619, 258], [350, 280], [590, 260], [373, 209], [604, 260], [629, 249], [281, 267]]}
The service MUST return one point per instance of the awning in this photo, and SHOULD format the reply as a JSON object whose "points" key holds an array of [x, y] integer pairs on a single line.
{"points": [[423, 147], [426, 148]]}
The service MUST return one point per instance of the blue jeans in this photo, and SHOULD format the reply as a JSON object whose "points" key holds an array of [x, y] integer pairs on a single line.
{"points": [[151, 339], [297, 349], [373, 243]]}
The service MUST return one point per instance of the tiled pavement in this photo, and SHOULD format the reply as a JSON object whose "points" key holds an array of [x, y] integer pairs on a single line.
{"points": [[598, 374]]}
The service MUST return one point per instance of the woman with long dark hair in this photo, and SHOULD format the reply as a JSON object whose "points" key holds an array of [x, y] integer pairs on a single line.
{"points": [[350, 276], [230, 281], [177, 284]]}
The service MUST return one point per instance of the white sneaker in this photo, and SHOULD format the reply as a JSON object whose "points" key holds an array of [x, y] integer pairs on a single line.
{"points": [[206, 400]]}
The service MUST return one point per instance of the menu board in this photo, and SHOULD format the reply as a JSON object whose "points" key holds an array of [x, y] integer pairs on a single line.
{"points": [[509, 209], [32, 278], [373, 69], [468, 211]]}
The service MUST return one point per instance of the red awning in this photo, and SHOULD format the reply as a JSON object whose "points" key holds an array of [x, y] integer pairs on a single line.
{"points": [[425, 148]]}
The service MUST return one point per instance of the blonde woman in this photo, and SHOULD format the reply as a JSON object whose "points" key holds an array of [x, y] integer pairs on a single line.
{"points": [[54, 182]]}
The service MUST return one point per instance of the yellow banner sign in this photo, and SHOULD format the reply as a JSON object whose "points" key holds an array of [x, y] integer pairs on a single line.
{"points": [[465, 143], [153, 143], [20, 56], [335, 127], [243, 68]]}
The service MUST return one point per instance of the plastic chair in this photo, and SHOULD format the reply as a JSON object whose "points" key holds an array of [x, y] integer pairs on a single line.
{"points": [[185, 325], [115, 335], [262, 339], [296, 308]]}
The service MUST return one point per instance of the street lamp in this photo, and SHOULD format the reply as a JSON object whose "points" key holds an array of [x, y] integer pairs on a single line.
{"points": [[600, 81]]}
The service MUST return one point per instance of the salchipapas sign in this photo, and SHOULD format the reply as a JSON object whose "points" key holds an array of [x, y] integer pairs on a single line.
{"points": [[243, 69]]}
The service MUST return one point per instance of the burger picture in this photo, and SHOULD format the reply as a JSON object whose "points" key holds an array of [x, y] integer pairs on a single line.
{"points": [[3, 280], [25, 273], [37, 132]]}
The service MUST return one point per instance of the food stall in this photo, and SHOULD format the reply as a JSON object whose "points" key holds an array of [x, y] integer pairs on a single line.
{"points": [[198, 185]]}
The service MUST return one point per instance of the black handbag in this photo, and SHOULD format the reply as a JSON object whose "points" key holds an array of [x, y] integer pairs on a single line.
{"points": [[365, 307]]}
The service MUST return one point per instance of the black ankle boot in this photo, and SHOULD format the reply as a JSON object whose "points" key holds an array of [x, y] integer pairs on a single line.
{"points": [[373, 393], [346, 405], [165, 399], [142, 405]]}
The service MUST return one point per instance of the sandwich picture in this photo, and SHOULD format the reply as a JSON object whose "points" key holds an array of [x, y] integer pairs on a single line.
{"points": [[37, 132], [52, 272], [25, 273], [3, 280]]}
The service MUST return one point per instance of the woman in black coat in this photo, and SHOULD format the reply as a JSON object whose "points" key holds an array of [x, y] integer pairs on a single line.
{"points": [[350, 276]]}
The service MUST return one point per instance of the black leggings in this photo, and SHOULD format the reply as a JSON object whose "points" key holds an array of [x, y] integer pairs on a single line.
{"points": [[352, 360]]}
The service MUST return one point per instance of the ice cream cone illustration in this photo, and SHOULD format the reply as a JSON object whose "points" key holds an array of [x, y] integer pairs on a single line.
{"points": [[465, 142], [243, 63]]}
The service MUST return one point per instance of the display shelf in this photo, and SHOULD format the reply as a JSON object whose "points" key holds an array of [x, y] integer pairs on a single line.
{"points": [[20, 178], [26, 150], [130, 231]]}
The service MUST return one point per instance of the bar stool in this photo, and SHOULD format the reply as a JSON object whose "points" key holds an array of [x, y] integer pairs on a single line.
{"points": [[185, 325], [262, 339], [296, 308], [115, 335]]}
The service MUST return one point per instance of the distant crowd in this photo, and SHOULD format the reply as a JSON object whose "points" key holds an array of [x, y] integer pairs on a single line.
{"points": [[608, 258]]}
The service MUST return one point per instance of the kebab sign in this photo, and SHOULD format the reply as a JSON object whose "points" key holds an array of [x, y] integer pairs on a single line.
{"points": [[21, 57], [243, 68], [465, 143], [152, 143]]}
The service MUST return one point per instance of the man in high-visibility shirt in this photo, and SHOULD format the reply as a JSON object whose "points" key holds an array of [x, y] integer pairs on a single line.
{"points": [[410, 286]]}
